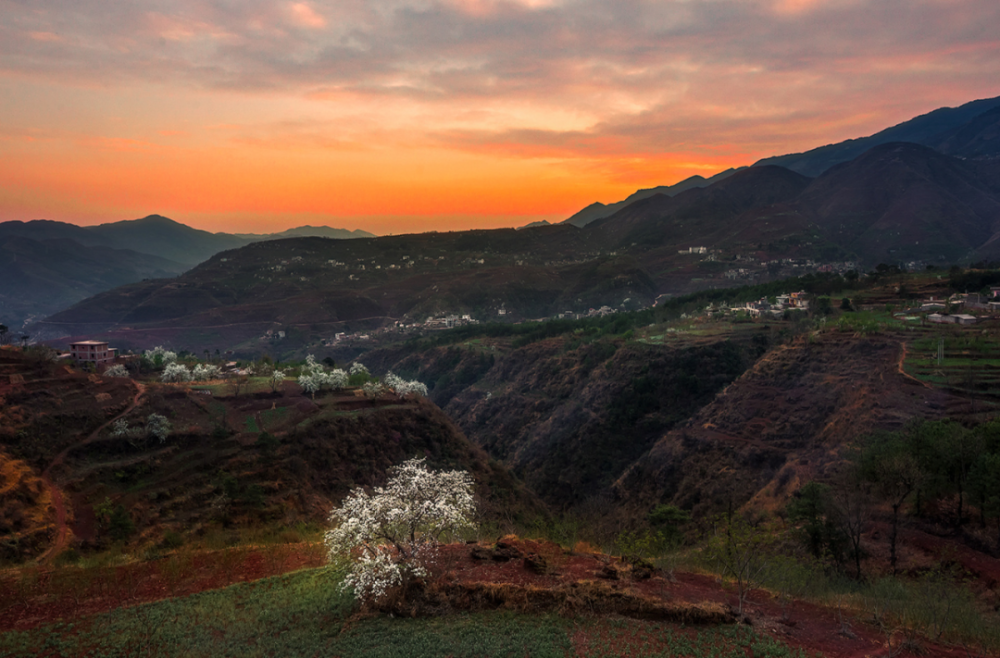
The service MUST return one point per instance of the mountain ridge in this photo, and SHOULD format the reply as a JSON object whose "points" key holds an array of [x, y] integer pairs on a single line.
{"points": [[73, 262]]}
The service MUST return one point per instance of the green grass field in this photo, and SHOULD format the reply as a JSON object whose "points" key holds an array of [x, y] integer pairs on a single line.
{"points": [[305, 614]]}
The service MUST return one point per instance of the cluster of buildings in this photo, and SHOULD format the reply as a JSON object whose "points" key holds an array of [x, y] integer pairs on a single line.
{"points": [[942, 311], [590, 313], [763, 307], [448, 322]]}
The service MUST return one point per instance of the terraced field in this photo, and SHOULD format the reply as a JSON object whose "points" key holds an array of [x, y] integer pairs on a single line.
{"points": [[964, 361]]}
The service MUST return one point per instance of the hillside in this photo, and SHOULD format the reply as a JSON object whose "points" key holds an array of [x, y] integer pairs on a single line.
{"points": [[314, 287], [935, 130], [213, 472], [569, 414], [968, 131], [731, 215], [599, 210], [787, 420], [905, 202], [49, 266], [43, 276]]}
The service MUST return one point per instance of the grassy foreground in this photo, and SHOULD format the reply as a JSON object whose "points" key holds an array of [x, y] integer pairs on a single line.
{"points": [[305, 614]]}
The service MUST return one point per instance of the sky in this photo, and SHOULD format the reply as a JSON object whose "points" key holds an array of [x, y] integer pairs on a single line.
{"points": [[398, 116]]}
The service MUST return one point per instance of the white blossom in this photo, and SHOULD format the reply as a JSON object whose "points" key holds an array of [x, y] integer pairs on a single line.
{"points": [[403, 387], [203, 372], [373, 390], [310, 383], [158, 426], [120, 429], [358, 368], [176, 372], [315, 378], [167, 355], [395, 530], [117, 370], [336, 379]]}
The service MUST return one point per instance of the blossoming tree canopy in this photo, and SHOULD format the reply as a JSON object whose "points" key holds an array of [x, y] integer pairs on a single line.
{"points": [[394, 531]]}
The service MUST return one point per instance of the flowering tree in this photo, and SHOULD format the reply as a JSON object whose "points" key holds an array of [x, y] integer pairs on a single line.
{"points": [[393, 532], [117, 370], [156, 426], [373, 390], [403, 387], [158, 356], [275, 379], [203, 372], [315, 378], [359, 374], [176, 372]]}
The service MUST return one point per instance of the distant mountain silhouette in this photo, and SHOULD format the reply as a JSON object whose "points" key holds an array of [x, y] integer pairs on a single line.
{"points": [[976, 139], [309, 232], [597, 211], [42, 276], [50, 265], [700, 216], [166, 238], [930, 129]]}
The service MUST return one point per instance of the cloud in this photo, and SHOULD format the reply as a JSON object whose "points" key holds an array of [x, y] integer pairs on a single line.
{"points": [[304, 15], [530, 78]]}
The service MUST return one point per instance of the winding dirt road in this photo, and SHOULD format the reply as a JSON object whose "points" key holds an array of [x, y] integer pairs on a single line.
{"points": [[58, 502]]}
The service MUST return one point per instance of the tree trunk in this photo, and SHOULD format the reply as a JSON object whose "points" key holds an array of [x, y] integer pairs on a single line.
{"points": [[960, 508], [857, 558], [892, 537]]}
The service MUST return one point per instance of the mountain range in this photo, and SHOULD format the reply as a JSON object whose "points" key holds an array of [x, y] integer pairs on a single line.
{"points": [[897, 202], [967, 131], [50, 265], [930, 203]]}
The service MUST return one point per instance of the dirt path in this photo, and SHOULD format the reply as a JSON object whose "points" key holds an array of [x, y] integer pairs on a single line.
{"points": [[58, 502], [902, 371]]}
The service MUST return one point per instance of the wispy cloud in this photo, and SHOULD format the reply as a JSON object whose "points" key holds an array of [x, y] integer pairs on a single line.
{"points": [[636, 82]]}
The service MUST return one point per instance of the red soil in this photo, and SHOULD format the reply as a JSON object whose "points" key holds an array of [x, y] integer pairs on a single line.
{"points": [[62, 530], [41, 596], [38, 595], [799, 624]]}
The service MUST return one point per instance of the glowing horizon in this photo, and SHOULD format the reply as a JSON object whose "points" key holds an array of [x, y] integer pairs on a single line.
{"points": [[398, 116]]}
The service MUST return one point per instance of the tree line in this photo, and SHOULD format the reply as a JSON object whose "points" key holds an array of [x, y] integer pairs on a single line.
{"points": [[931, 469]]}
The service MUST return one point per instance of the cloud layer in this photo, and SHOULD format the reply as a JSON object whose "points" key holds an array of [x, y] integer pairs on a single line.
{"points": [[620, 94]]}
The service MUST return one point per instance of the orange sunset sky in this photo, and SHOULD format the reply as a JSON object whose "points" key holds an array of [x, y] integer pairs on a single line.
{"points": [[410, 115]]}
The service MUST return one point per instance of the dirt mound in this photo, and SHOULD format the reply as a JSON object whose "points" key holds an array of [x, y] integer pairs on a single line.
{"points": [[586, 596]]}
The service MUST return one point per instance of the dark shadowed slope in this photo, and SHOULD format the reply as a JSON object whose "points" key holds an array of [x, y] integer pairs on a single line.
{"points": [[977, 139], [902, 202], [926, 129], [39, 277], [599, 210], [703, 216]]}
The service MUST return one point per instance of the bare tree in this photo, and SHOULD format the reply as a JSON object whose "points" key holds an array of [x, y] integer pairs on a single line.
{"points": [[887, 462], [740, 550], [852, 499]]}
